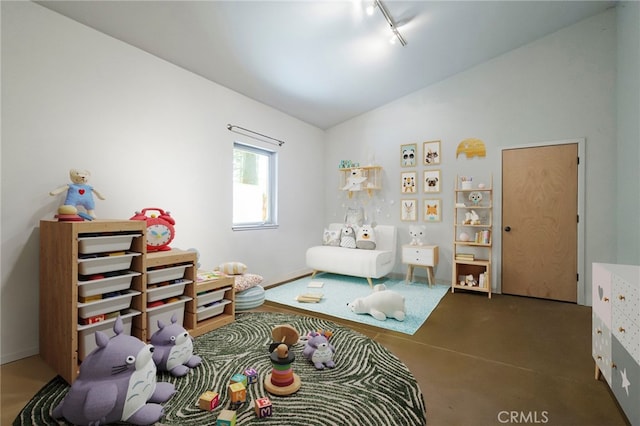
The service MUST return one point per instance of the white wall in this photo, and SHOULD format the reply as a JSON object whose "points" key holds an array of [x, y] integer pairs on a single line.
{"points": [[153, 135], [628, 126], [559, 87]]}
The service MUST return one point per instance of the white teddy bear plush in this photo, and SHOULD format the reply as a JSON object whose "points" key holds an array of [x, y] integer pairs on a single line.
{"points": [[381, 304], [366, 237], [417, 233], [355, 180]]}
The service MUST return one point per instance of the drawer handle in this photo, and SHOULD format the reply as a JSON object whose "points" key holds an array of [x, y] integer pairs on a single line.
{"points": [[599, 358], [606, 299], [621, 330], [598, 331], [621, 297], [613, 365]]}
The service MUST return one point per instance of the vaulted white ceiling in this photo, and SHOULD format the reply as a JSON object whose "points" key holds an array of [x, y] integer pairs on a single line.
{"points": [[326, 61]]}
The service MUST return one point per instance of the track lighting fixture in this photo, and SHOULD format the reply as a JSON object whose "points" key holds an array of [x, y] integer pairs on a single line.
{"points": [[389, 19]]}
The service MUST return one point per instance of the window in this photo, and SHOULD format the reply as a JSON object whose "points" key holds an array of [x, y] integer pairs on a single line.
{"points": [[254, 187]]}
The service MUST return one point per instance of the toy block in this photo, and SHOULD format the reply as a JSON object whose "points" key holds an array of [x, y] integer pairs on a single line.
{"points": [[252, 375], [237, 392], [263, 407], [209, 400], [239, 378], [226, 418]]}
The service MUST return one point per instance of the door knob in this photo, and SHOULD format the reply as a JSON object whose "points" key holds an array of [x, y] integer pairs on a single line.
{"points": [[507, 228]]}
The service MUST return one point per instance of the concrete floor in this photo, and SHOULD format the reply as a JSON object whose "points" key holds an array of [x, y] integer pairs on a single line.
{"points": [[478, 361]]}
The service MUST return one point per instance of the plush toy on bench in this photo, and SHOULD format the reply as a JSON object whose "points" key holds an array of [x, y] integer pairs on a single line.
{"points": [[366, 237], [117, 382], [380, 304]]}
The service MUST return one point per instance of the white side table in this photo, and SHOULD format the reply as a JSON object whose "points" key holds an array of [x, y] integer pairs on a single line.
{"points": [[420, 257]]}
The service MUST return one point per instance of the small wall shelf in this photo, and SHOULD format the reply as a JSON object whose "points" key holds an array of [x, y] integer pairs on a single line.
{"points": [[372, 179]]}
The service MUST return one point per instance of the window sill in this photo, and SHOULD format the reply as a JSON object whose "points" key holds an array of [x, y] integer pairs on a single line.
{"points": [[253, 227]]}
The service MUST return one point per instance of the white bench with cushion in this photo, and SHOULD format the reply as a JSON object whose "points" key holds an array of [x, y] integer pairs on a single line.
{"points": [[356, 262]]}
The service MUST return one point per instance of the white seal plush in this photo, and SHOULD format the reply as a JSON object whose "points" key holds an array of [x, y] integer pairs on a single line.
{"points": [[381, 304]]}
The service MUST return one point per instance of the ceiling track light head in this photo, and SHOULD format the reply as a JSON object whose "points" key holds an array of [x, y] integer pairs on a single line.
{"points": [[371, 8], [390, 21]]}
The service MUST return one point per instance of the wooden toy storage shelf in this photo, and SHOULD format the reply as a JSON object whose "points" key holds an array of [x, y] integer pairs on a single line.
{"points": [[60, 252], [201, 289], [161, 261], [472, 257], [62, 248]]}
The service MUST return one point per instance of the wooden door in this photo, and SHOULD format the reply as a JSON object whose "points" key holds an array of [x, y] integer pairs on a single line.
{"points": [[539, 222]]}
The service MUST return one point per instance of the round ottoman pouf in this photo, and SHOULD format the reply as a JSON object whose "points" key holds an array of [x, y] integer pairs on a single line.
{"points": [[249, 299]]}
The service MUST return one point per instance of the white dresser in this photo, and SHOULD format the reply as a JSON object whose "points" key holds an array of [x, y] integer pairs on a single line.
{"points": [[616, 332], [420, 257]]}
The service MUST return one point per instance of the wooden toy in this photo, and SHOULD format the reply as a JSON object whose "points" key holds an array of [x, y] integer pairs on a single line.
{"points": [[237, 393], [263, 407], [239, 378], [209, 400], [282, 380], [226, 418], [252, 375]]}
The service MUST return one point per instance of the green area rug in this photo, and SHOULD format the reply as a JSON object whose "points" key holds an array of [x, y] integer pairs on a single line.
{"points": [[368, 386], [339, 290]]}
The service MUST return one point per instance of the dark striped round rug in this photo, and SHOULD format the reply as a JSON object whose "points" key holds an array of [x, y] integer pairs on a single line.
{"points": [[368, 386]]}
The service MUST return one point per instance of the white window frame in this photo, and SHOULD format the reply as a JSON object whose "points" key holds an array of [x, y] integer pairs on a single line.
{"points": [[272, 196]]}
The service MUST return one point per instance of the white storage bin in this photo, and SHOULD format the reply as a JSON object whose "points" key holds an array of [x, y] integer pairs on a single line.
{"points": [[104, 306], [164, 313], [99, 265], [205, 312], [86, 333], [107, 243], [212, 296], [166, 291], [106, 285], [165, 274]]}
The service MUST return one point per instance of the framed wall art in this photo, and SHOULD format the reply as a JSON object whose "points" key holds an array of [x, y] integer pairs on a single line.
{"points": [[408, 155], [431, 181], [409, 182], [431, 153], [409, 212], [432, 210]]}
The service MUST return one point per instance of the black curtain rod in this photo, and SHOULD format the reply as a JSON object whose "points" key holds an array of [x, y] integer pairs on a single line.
{"points": [[271, 140]]}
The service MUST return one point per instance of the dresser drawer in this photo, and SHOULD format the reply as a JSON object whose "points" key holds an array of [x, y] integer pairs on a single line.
{"points": [[420, 255]]}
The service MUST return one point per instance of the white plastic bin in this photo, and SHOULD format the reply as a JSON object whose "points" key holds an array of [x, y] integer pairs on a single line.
{"points": [[107, 243], [165, 274], [166, 291], [205, 312], [102, 264], [105, 306], [106, 285], [164, 313], [86, 333], [211, 296]]}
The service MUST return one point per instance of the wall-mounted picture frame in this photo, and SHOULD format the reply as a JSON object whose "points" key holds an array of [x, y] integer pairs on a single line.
{"points": [[409, 182], [431, 181], [432, 210], [409, 210], [431, 153], [409, 155]]}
